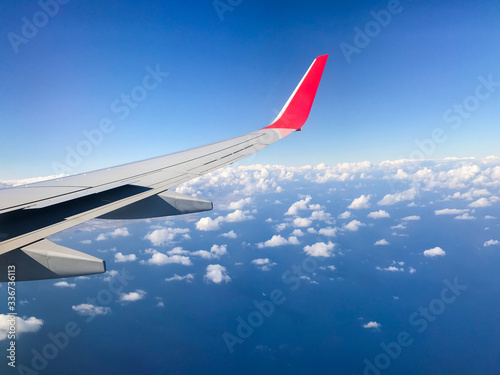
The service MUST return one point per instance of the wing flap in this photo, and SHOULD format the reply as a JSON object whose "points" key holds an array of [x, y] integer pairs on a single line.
{"points": [[168, 203]]}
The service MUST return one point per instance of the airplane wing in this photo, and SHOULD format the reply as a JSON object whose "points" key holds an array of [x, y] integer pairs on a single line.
{"points": [[30, 213]]}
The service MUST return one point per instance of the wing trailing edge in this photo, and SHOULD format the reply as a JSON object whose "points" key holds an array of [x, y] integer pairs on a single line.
{"points": [[168, 203]]}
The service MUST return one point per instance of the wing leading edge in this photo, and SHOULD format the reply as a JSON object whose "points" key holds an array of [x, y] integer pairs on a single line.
{"points": [[30, 213]]}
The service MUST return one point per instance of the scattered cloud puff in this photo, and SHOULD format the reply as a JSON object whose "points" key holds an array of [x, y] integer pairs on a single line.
{"points": [[411, 218], [345, 215], [328, 231], [238, 205], [264, 264], [434, 252], [118, 232], [353, 226], [320, 215], [484, 202], [160, 259], [278, 240], [87, 309], [320, 249], [216, 251], [380, 214], [299, 205], [216, 274], [132, 296], [297, 233], [465, 216], [372, 325], [362, 202], [451, 211], [64, 284], [302, 222], [188, 278], [231, 234], [395, 267], [406, 195], [120, 258], [23, 325], [381, 242], [491, 243], [489, 217], [208, 224], [163, 236]]}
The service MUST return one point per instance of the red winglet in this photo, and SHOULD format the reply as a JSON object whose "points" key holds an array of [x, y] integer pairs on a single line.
{"points": [[296, 110]]}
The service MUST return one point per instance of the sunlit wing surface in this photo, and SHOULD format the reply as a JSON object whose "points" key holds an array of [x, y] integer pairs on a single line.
{"points": [[30, 213]]}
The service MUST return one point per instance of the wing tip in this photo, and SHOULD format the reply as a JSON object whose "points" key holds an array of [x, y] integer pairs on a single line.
{"points": [[296, 110]]}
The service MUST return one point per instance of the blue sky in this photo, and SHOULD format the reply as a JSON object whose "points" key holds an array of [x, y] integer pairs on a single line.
{"points": [[232, 75]]}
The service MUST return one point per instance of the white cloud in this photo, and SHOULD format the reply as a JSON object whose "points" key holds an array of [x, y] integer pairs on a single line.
{"points": [[489, 217], [87, 309], [189, 277], [238, 216], [64, 284], [278, 240], [215, 252], [299, 205], [381, 242], [481, 202], [328, 231], [465, 216], [160, 259], [238, 205], [391, 269], [380, 214], [231, 234], [86, 242], [320, 249], [362, 202], [412, 270], [434, 252], [406, 195], [264, 264], [297, 233], [216, 274], [23, 325], [353, 226], [132, 296], [301, 222], [491, 243], [163, 236], [372, 325], [209, 224], [120, 232], [345, 215], [411, 218], [120, 258], [320, 215], [450, 211]]}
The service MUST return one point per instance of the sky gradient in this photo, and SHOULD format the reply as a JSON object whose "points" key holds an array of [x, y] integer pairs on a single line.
{"points": [[231, 72]]}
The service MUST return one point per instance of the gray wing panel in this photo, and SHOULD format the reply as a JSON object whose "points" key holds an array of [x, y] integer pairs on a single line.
{"points": [[170, 169]]}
